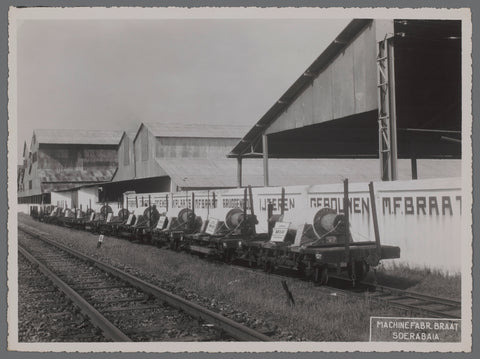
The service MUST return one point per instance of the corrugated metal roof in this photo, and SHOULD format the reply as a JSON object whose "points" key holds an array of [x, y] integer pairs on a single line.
{"points": [[287, 172], [339, 44], [160, 129], [77, 137], [75, 175]]}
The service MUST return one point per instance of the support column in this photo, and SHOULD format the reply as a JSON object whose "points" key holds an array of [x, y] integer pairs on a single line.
{"points": [[387, 122], [393, 110], [265, 159], [239, 171], [413, 162]]}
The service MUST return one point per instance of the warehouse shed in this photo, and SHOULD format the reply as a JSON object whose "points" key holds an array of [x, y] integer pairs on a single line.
{"points": [[155, 145], [385, 89], [62, 159], [155, 141]]}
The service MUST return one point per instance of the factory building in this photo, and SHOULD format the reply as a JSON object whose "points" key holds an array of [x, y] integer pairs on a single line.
{"points": [[155, 142], [151, 159], [62, 159], [384, 89]]}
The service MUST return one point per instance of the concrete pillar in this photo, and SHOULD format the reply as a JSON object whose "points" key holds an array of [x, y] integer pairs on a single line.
{"points": [[413, 162], [239, 171], [265, 160]]}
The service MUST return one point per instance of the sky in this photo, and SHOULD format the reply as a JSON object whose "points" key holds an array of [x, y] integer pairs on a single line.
{"points": [[115, 74]]}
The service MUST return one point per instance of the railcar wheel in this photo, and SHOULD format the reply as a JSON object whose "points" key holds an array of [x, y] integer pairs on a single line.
{"points": [[175, 244], [252, 262], [321, 275], [268, 267], [359, 271], [227, 257]]}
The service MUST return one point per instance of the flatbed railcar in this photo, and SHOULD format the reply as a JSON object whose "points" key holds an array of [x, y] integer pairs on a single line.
{"points": [[143, 227], [224, 232], [108, 226], [124, 229], [173, 226]]}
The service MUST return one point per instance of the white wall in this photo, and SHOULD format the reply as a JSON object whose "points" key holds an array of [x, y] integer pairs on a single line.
{"points": [[61, 199], [23, 208], [422, 217], [87, 197]]}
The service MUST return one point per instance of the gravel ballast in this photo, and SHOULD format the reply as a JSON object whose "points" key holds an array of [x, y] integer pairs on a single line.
{"points": [[45, 314]]}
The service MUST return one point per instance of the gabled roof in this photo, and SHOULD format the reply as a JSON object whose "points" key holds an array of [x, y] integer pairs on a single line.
{"points": [[197, 130], [129, 134], [77, 137], [322, 61]]}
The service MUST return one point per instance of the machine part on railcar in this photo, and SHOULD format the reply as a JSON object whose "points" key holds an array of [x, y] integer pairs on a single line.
{"points": [[105, 210], [329, 227], [142, 230], [227, 229], [123, 214]]}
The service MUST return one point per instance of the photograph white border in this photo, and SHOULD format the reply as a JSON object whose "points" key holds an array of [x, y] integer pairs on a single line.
{"points": [[16, 16]]}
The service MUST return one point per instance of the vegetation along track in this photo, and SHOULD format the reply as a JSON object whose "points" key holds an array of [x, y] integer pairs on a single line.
{"points": [[424, 304], [124, 307]]}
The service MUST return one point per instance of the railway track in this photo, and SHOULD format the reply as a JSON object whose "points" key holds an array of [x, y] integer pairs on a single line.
{"points": [[124, 307], [407, 301], [436, 307], [42, 305], [431, 305]]}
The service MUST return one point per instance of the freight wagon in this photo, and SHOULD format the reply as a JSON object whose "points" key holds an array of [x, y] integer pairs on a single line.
{"points": [[311, 241]]}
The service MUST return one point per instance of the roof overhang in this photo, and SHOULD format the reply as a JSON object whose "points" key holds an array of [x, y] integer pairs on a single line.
{"points": [[340, 42], [428, 101]]}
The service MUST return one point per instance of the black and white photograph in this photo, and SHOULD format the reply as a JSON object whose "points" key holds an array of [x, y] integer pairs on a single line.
{"points": [[185, 179]]}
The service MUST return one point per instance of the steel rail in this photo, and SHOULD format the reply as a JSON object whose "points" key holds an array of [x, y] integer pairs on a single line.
{"points": [[416, 295], [236, 330], [109, 330], [456, 305], [427, 300], [404, 295]]}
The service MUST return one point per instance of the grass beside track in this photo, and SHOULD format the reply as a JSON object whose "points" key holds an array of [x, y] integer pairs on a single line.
{"points": [[319, 315]]}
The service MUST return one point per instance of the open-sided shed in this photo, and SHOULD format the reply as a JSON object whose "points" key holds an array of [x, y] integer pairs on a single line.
{"points": [[387, 89], [63, 158]]}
